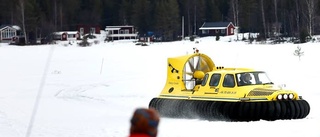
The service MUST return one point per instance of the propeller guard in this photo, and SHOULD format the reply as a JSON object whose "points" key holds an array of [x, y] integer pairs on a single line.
{"points": [[184, 71]]}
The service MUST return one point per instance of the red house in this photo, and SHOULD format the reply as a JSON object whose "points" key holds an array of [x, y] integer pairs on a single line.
{"points": [[121, 32], [217, 28], [86, 29]]}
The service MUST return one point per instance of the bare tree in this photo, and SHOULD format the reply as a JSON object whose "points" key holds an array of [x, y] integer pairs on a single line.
{"points": [[276, 17], [55, 15], [61, 15], [263, 19], [21, 7], [310, 15], [235, 11], [291, 22], [298, 52], [297, 15]]}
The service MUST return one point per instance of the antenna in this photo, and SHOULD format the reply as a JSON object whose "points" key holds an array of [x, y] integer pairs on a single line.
{"points": [[182, 29], [195, 50]]}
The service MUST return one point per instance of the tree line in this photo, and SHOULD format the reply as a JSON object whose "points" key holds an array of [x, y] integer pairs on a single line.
{"points": [[166, 18]]}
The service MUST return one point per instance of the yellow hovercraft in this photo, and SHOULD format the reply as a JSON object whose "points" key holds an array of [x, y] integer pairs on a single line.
{"points": [[196, 88]]}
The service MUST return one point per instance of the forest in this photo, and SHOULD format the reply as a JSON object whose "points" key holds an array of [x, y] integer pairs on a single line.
{"points": [[290, 18]]}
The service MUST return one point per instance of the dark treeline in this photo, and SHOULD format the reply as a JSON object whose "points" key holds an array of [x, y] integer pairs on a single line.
{"points": [[164, 17]]}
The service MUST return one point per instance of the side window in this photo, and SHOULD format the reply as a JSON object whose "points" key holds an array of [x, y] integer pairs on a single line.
{"points": [[92, 30], [126, 31], [246, 79], [81, 31], [205, 31], [215, 78], [228, 81], [223, 31], [205, 79]]}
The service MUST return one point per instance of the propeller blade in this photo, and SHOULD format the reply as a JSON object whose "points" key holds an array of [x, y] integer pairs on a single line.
{"points": [[191, 65], [190, 79], [189, 73], [198, 63], [204, 66]]}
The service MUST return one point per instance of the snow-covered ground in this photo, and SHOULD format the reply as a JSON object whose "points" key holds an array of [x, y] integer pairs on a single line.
{"points": [[93, 91]]}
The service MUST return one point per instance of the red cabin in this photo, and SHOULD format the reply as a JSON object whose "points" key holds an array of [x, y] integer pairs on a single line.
{"points": [[217, 28], [88, 29]]}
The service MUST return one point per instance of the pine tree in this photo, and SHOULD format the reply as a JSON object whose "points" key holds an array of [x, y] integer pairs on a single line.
{"points": [[212, 11], [173, 19], [250, 17], [70, 14], [167, 19], [125, 12], [141, 16], [33, 20]]}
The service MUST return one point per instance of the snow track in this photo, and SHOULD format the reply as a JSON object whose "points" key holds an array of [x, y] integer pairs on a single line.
{"points": [[83, 92], [9, 128]]}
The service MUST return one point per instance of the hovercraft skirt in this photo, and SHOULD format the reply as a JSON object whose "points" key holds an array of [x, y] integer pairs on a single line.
{"points": [[231, 111]]}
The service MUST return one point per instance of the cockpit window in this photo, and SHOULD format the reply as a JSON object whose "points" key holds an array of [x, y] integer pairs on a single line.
{"points": [[228, 81], [205, 79], [252, 78], [214, 81]]}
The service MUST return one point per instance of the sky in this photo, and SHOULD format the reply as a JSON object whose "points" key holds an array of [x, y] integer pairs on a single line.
{"points": [[65, 90]]}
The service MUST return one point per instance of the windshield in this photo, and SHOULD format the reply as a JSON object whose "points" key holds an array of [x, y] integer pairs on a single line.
{"points": [[252, 78]]}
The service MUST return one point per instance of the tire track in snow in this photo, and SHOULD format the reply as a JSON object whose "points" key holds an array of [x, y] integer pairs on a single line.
{"points": [[9, 130], [81, 92]]}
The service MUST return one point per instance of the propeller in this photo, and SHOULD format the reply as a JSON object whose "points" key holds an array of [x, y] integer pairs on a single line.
{"points": [[195, 65]]}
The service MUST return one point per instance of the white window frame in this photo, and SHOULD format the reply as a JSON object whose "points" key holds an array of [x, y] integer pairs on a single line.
{"points": [[223, 31], [126, 31], [205, 31], [71, 36], [81, 31], [93, 30], [8, 33]]}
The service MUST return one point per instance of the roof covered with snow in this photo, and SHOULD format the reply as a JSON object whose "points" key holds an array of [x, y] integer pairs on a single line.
{"points": [[215, 25], [9, 26]]}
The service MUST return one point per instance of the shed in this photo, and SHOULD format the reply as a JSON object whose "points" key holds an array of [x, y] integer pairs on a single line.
{"points": [[66, 35]]}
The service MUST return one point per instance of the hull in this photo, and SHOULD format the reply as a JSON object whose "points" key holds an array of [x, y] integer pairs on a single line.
{"points": [[231, 111]]}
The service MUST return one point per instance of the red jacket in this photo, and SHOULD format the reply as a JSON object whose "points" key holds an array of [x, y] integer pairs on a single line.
{"points": [[139, 135]]}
